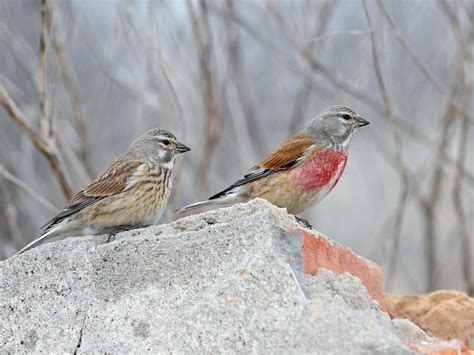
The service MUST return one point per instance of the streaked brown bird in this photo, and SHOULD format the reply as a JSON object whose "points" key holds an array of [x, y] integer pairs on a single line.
{"points": [[302, 170], [131, 193]]}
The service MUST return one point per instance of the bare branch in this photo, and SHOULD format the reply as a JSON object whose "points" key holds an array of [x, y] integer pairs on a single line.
{"points": [[402, 171], [458, 204], [75, 100], [317, 66], [11, 217], [430, 203], [423, 68], [28, 189], [460, 166], [243, 90], [45, 123], [170, 80], [329, 35], [212, 126], [303, 95], [47, 148], [22, 122], [24, 54]]}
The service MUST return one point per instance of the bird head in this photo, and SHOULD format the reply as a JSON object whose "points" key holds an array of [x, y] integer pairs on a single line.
{"points": [[158, 145], [335, 125]]}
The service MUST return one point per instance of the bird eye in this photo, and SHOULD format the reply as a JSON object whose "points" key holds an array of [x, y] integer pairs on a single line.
{"points": [[165, 142], [346, 116]]}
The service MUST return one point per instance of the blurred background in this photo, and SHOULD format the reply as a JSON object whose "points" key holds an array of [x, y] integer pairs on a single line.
{"points": [[80, 80]]}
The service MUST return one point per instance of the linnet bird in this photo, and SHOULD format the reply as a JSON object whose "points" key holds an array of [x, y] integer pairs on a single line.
{"points": [[302, 170], [132, 192]]}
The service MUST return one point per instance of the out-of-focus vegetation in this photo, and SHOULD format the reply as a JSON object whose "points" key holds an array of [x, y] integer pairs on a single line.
{"points": [[79, 80]]}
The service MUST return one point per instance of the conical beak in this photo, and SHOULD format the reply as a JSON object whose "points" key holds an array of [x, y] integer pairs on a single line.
{"points": [[181, 148], [361, 122]]}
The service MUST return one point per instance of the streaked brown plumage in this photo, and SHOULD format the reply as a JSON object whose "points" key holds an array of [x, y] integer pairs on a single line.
{"points": [[132, 192]]}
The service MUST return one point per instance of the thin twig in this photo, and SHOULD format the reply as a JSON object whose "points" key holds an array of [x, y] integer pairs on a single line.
{"points": [[430, 203], [47, 148], [11, 216], [71, 155], [28, 189], [22, 51], [249, 120], [212, 126], [282, 57], [75, 100], [458, 206], [423, 68], [329, 35], [318, 66], [402, 171], [165, 67], [303, 95], [460, 166], [44, 122]]}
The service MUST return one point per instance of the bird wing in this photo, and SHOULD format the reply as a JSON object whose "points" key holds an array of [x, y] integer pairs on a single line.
{"points": [[284, 157], [115, 179]]}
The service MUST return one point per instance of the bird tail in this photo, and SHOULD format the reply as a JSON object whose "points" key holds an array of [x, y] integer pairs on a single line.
{"points": [[224, 200], [196, 205], [48, 233]]}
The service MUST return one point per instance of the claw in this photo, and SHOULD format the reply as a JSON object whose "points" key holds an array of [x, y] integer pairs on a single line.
{"points": [[304, 222], [118, 229]]}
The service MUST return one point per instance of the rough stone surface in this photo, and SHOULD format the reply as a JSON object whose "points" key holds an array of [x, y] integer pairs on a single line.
{"points": [[443, 314], [228, 281]]}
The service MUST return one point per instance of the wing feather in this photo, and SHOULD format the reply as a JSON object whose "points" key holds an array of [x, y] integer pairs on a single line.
{"points": [[113, 180], [287, 153], [284, 157]]}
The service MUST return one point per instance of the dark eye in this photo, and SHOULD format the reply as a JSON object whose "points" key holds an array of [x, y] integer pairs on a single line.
{"points": [[165, 141], [346, 116]]}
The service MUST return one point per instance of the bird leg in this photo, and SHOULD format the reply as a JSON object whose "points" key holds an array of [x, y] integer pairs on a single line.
{"points": [[112, 231], [304, 222]]}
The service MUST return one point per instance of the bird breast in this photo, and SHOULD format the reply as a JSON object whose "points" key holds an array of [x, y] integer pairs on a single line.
{"points": [[321, 170], [151, 192]]}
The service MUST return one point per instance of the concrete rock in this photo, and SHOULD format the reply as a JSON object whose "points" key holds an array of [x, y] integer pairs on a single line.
{"points": [[227, 281]]}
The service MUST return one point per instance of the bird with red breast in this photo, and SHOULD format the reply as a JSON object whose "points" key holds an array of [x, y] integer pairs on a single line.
{"points": [[302, 170]]}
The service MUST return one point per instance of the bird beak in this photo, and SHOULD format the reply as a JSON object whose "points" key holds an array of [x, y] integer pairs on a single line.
{"points": [[181, 148], [361, 122]]}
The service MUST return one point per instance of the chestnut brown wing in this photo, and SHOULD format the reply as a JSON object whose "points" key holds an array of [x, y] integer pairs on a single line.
{"points": [[283, 157]]}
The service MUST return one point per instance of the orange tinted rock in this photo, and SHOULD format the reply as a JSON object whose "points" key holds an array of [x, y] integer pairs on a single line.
{"points": [[319, 252], [442, 347], [442, 314]]}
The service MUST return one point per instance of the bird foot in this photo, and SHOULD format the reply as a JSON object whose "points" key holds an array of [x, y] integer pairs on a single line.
{"points": [[304, 222], [118, 229]]}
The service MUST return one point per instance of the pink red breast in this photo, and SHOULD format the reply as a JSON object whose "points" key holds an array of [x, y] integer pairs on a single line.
{"points": [[322, 170]]}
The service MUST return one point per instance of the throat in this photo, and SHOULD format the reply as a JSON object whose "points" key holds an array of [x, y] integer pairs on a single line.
{"points": [[322, 170]]}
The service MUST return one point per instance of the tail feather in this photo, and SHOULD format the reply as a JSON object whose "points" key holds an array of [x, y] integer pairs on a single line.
{"points": [[196, 205], [224, 200], [48, 233]]}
